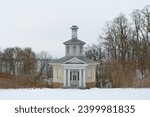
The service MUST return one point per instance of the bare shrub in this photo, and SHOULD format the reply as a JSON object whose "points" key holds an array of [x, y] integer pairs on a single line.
{"points": [[10, 81]]}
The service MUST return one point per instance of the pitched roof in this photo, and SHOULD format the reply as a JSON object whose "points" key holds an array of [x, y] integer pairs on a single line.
{"points": [[74, 42], [66, 58]]}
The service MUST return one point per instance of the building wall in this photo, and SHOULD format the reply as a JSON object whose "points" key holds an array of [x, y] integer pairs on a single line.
{"points": [[58, 74], [90, 73], [71, 50]]}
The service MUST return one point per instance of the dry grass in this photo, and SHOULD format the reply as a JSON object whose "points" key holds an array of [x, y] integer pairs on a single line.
{"points": [[121, 76], [10, 81], [142, 83]]}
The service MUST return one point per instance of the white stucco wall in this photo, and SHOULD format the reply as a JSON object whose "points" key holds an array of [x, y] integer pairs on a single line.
{"points": [[58, 73], [71, 50], [90, 73]]}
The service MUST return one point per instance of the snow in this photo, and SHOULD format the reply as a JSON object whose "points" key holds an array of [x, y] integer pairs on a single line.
{"points": [[75, 94]]}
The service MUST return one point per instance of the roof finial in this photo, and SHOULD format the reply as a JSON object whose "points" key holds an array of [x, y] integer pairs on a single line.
{"points": [[74, 32]]}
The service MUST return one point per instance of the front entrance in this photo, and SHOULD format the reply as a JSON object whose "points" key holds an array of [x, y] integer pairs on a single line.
{"points": [[74, 78]]}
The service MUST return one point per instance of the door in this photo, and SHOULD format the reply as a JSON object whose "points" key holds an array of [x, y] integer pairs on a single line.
{"points": [[74, 78]]}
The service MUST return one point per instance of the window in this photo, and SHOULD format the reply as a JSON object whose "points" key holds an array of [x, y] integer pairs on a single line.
{"points": [[74, 49], [78, 75], [80, 49], [70, 75], [67, 49]]}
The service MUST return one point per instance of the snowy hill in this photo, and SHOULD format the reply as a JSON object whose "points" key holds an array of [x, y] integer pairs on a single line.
{"points": [[75, 94]]}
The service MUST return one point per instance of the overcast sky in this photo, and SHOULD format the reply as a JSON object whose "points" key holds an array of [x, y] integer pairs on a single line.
{"points": [[45, 24]]}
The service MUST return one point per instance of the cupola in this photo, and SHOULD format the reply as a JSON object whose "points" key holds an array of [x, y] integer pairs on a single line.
{"points": [[74, 46]]}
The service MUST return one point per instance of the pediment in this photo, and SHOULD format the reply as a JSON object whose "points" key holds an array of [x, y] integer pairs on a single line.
{"points": [[74, 61]]}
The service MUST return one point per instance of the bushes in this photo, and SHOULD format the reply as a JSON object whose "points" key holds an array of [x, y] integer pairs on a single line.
{"points": [[10, 81]]}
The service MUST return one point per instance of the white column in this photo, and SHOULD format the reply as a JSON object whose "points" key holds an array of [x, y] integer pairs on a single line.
{"points": [[68, 77], [64, 77], [84, 78], [80, 78]]}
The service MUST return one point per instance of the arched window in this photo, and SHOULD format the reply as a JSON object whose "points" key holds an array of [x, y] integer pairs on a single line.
{"points": [[80, 49], [74, 49], [67, 49]]}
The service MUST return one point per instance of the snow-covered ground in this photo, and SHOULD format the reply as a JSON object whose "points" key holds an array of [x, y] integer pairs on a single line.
{"points": [[75, 94]]}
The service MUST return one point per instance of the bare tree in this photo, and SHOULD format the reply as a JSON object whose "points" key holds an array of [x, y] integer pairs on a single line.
{"points": [[117, 41], [43, 66], [8, 60]]}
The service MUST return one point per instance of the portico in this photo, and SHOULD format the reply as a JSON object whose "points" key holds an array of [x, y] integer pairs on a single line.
{"points": [[74, 75]]}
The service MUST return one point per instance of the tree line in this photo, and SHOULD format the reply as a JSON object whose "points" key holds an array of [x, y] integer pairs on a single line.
{"points": [[123, 50], [25, 63]]}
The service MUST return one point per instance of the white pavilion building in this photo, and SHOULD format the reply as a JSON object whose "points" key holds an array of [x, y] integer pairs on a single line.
{"points": [[74, 69]]}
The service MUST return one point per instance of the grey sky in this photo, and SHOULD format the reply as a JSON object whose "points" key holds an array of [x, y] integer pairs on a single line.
{"points": [[45, 24]]}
